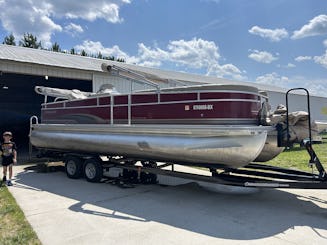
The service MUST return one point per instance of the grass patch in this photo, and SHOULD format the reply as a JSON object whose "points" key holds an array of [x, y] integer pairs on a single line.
{"points": [[298, 157], [14, 228]]}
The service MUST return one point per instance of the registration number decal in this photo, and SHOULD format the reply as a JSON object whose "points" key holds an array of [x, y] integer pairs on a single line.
{"points": [[202, 107]]}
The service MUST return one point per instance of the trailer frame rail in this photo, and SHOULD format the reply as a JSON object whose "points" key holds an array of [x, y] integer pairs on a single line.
{"points": [[252, 175]]}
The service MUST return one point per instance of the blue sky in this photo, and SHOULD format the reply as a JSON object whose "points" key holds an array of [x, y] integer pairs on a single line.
{"points": [[281, 43]]}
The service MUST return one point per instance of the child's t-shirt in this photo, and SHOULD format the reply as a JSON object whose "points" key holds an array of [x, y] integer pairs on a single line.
{"points": [[7, 149]]}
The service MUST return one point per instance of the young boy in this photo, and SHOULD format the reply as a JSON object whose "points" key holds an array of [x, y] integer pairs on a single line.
{"points": [[9, 156]]}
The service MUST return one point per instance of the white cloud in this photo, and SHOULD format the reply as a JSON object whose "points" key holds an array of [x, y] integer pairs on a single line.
{"points": [[316, 26], [321, 60], [87, 10], [303, 58], [196, 54], [226, 70], [290, 65], [262, 56], [147, 56], [19, 17], [38, 17], [73, 29], [274, 35], [273, 79], [91, 47], [325, 43]]}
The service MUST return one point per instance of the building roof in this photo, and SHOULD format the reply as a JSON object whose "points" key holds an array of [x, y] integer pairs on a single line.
{"points": [[63, 60], [49, 58]]}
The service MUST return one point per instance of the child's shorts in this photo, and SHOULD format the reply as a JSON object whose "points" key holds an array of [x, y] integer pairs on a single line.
{"points": [[6, 161]]}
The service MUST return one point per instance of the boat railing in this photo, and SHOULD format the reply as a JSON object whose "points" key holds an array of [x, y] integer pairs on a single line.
{"points": [[129, 109], [60, 102], [33, 120], [64, 103], [111, 109], [59, 98], [130, 75]]}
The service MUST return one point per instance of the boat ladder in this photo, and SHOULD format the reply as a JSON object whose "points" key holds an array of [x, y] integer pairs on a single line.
{"points": [[33, 120]]}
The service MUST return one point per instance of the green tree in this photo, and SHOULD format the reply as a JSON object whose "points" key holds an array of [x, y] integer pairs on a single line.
{"points": [[30, 41], [100, 56], [120, 60], [83, 53], [55, 47], [10, 40], [72, 51]]}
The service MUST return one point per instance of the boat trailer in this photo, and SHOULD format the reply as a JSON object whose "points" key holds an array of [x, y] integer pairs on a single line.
{"points": [[252, 175]]}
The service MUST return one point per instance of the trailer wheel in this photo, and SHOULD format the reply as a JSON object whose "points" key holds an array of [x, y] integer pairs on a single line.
{"points": [[93, 170], [73, 167]]}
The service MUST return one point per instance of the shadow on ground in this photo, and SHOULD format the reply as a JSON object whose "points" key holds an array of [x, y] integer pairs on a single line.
{"points": [[240, 215]]}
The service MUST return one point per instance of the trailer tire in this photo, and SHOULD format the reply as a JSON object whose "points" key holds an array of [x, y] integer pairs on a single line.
{"points": [[93, 170], [73, 167]]}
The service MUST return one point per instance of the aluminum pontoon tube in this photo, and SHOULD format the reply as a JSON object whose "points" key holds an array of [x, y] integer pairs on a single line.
{"points": [[271, 149], [220, 146]]}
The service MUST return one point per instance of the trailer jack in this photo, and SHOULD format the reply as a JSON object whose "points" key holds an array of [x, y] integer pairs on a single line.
{"points": [[314, 160]]}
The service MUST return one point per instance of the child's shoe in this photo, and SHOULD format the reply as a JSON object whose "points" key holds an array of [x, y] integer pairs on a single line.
{"points": [[4, 178], [9, 183]]}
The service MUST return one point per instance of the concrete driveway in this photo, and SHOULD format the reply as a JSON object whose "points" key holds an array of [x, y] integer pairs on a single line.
{"points": [[66, 211]]}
